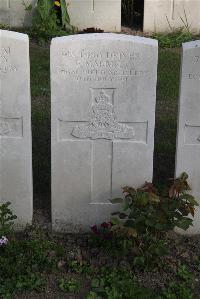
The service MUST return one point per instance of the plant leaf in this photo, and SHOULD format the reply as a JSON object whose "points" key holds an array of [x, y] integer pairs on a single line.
{"points": [[189, 198], [184, 223], [115, 221]]}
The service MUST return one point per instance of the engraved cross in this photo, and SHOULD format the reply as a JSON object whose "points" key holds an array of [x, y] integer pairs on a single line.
{"points": [[103, 131]]}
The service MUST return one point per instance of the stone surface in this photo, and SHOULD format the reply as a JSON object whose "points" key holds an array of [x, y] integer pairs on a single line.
{"points": [[103, 111], [13, 13], [103, 14], [159, 15], [188, 136], [168, 15], [15, 126]]}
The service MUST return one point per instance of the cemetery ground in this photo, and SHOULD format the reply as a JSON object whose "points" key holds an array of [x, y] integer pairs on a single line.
{"points": [[40, 264]]}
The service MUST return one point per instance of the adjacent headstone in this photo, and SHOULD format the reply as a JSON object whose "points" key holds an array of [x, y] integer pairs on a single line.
{"points": [[15, 14], [188, 136], [15, 126], [103, 110], [169, 15], [4, 12], [104, 15]]}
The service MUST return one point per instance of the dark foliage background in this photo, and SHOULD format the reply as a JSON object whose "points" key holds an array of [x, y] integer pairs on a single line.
{"points": [[132, 13]]}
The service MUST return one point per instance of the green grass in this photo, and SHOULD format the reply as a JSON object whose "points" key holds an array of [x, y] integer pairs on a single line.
{"points": [[166, 116], [30, 268], [175, 38], [40, 89], [39, 264], [40, 71]]}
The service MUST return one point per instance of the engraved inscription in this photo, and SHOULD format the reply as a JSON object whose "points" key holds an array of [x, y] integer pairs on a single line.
{"points": [[11, 127], [5, 62], [192, 134], [193, 76], [4, 54], [196, 59], [103, 124], [101, 66]]}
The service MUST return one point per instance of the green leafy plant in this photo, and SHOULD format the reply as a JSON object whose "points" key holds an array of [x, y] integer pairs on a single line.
{"points": [[69, 285], [24, 263], [4, 26], [147, 216], [6, 219], [174, 39], [177, 291], [65, 19], [117, 284], [182, 290], [185, 275], [46, 23], [78, 268], [144, 210], [121, 283]]}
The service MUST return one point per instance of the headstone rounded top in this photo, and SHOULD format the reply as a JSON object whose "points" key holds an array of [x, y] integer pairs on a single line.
{"points": [[15, 126], [106, 36], [103, 94], [13, 35], [191, 45]]}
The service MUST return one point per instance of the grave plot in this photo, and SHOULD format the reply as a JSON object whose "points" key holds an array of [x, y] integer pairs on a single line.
{"points": [[171, 15], [104, 15], [103, 114], [188, 135], [15, 126]]}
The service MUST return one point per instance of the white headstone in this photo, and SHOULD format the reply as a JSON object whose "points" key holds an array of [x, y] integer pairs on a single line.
{"points": [[169, 15], [14, 13], [105, 15], [188, 136], [15, 125], [103, 111], [4, 12]]}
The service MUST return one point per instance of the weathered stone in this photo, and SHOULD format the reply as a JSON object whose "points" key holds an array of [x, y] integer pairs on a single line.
{"points": [[171, 15], [15, 125], [14, 13], [103, 111], [105, 15], [188, 136]]}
